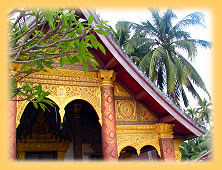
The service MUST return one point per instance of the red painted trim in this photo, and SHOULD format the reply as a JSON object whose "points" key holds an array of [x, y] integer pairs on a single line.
{"points": [[167, 119], [141, 95], [112, 63]]}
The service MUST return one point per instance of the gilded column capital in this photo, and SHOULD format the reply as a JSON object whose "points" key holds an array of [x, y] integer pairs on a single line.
{"points": [[107, 77], [165, 130]]}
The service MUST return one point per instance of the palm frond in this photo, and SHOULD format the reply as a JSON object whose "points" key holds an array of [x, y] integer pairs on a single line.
{"points": [[171, 73], [196, 18], [168, 17], [201, 43], [182, 72], [179, 35], [123, 30], [156, 18], [187, 46], [148, 29], [160, 78], [191, 89], [184, 97], [194, 75], [156, 56]]}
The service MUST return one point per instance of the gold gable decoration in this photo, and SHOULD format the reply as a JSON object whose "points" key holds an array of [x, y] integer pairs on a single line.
{"points": [[145, 114], [125, 110], [120, 91]]}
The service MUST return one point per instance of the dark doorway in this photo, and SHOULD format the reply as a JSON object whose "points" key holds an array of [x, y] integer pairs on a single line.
{"points": [[41, 155], [82, 128], [38, 134], [128, 153], [146, 153]]}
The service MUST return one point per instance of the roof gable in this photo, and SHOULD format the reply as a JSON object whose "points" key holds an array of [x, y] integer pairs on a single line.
{"points": [[141, 86]]}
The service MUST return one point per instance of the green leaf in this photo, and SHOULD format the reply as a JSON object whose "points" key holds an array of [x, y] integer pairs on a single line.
{"points": [[85, 65], [62, 61], [51, 103], [101, 48], [102, 32], [48, 15], [90, 19], [35, 105], [103, 22], [42, 106]]}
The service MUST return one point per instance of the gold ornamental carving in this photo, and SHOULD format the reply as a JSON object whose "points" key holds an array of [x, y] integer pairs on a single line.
{"points": [[177, 143], [145, 114], [165, 130], [137, 136], [125, 110], [66, 88], [107, 77], [120, 91]]}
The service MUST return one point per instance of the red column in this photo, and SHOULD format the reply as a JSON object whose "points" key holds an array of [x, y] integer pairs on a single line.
{"points": [[109, 140], [165, 133], [12, 129]]}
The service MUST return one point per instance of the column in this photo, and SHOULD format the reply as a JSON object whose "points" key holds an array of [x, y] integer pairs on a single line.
{"points": [[109, 140], [77, 138], [12, 129], [165, 134]]}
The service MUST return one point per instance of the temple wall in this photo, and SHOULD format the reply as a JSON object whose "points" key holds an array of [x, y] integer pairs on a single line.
{"points": [[135, 122]]}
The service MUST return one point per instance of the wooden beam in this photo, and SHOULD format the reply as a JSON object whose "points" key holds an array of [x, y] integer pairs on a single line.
{"points": [[111, 64], [167, 119], [141, 95]]}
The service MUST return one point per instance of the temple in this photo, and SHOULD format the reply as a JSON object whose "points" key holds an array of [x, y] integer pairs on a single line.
{"points": [[113, 112]]}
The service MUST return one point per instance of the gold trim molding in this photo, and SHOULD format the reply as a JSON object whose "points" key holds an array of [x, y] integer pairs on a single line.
{"points": [[137, 136], [71, 85], [165, 130], [177, 143], [107, 77]]}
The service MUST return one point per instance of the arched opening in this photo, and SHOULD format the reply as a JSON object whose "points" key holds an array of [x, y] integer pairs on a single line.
{"points": [[148, 153], [38, 134], [128, 153], [82, 128]]}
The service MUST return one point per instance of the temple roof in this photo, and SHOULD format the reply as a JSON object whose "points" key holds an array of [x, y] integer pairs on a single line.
{"points": [[140, 85]]}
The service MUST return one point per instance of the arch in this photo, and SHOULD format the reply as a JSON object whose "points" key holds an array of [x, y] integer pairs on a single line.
{"points": [[156, 146], [21, 105], [30, 115], [82, 128], [127, 152], [63, 104], [149, 152], [138, 141]]}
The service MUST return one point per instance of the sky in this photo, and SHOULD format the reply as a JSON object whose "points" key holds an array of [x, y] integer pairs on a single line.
{"points": [[202, 62]]}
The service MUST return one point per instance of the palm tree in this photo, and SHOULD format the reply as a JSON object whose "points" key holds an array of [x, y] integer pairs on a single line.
{"points": [[205, 111], [155, 45]]}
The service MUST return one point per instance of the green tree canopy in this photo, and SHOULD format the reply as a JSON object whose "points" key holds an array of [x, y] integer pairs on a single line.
{"points": [[154, 45], [38, 36]]}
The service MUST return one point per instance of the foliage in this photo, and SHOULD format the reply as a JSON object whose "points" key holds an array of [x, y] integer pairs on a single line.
{"points": [[194, 148], [37, 37], [154, 45]]}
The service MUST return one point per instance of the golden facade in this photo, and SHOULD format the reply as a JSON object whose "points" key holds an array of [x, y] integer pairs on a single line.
{"points": [[137, 126]]}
